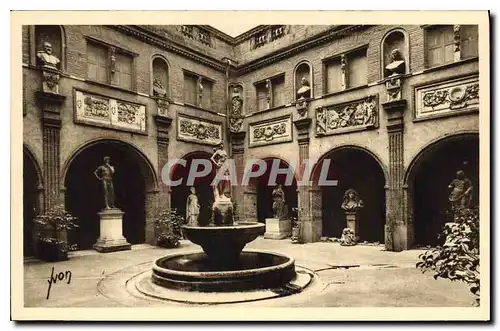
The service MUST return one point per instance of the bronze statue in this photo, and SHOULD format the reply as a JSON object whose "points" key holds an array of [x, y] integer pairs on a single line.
{"points": [[461, 192], [192, 208], [352, 201], [219, 158], [45, 56], [105, 174], [279, 203]]}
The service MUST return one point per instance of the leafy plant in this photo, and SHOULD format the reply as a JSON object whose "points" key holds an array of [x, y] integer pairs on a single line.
{"points": [[51, 226], [458, 258], [168, 227]]}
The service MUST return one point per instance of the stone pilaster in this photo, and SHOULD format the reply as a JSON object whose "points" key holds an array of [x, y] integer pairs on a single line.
{"points": [[308, 226], [237, 152], [50, 104], [396, 227]]}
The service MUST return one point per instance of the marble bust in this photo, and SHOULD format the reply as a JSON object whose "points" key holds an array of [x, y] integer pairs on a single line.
{"points": [[352, 201], [396, 65], [305, 90], [45, 56]]}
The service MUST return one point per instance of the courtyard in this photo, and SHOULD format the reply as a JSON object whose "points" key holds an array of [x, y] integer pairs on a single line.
{"points": [[356, 276]]}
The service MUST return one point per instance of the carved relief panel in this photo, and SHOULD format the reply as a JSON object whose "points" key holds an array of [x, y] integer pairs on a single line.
{"points": [[198, 130], [447, 98], [269, 132], [356, 115], [103, 111], [236, 108]]}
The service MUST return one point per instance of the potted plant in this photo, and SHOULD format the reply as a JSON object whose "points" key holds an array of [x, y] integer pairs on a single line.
{"points": [[168, 228], [52, 227]]}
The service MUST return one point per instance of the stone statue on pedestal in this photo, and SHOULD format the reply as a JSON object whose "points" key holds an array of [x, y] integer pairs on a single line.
{"points": [[105, 174], [461, 192], [222, 208], [219, 158], [279, 204], [192, 208], [50, 72]]}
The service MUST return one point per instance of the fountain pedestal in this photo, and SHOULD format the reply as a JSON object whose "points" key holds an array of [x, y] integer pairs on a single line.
{"points": [[278, 229]]}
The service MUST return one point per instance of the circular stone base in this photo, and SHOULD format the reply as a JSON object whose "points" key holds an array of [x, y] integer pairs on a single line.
{"points": [[254, 269], [143, 284]]}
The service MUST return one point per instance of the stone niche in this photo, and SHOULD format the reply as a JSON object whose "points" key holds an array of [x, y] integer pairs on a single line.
{"points": [[160, 85], [51, 34], [395, 40]]}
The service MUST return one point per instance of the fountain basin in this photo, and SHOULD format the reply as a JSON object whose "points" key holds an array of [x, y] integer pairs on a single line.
{"points": [[223, 244], [197, 272]]}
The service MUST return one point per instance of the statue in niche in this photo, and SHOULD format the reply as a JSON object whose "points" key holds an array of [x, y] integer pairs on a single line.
{"points": [[279, 203], [236, 102], [192, 208], [222, 191], [352, 201], [348, 238], [158, 89], [396, 64], [45, 56], [461, 192], [304, 92], [268, 88], [105, 174], [200, 92]]}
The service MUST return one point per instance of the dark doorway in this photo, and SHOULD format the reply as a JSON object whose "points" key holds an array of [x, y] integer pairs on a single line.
{"points": [[202, 186], [30, 203], [358, 170], [434, 172], [265, 192], [85, 199]]}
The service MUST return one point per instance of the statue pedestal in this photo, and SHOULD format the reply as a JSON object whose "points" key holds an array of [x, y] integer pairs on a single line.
{"points": [[111, 237], [351, 221], [222, 212], [278, 229]]}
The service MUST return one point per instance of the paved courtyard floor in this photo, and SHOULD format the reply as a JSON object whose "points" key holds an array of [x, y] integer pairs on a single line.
{"points": [[359, 276]]}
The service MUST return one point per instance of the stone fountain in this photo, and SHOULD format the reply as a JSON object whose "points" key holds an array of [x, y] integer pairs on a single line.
{"points": [[224, 265]]}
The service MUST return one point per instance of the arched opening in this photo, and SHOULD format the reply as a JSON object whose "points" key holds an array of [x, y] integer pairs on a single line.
{"points": [[352, 168], [429, 177], [204, 190], [31, 201], [395, 39], [265, 189], [159, 79], [132, 179], [303, 70]]}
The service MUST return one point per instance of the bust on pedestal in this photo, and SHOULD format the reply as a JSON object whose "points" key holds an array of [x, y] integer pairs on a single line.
{"points": [[351, 204], [111, 237], [50, 72], [280, 226]]}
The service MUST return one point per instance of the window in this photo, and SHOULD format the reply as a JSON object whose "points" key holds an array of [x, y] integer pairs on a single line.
{"points": [[357, 69], [440, 46], [450, 43], [271, 92], [197, 90], [346, 71], [108, 65]]}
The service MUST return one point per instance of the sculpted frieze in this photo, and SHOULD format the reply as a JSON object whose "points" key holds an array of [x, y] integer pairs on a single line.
{"points": [[198, 130], [271, 131]]}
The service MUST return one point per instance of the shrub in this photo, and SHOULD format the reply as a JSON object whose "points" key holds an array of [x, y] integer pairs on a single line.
{"points": [[52, 227], [168, 228], [458, 258]]}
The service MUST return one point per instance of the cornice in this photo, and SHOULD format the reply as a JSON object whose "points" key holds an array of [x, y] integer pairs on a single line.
{"points": [[170, 45]]}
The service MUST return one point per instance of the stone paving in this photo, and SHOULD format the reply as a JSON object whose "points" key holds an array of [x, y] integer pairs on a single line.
{"points": [[363, 275]]}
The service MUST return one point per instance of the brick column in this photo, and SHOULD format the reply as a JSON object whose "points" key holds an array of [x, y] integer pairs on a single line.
{"points": [[308, 223], [163, 123], [51, 122], [396, 237], [237, 152]]}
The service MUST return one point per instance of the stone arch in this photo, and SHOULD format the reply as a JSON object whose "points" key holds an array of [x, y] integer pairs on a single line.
{"points": [[161, 61], [394, 38], [32, 199], [427, 178], [297, 77], [57, 38], [136, 190], [353, 167]]}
